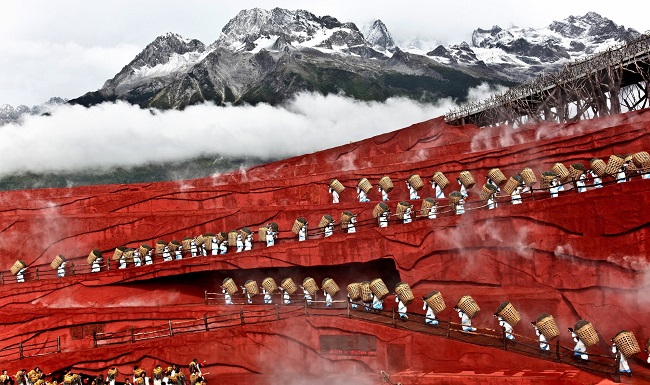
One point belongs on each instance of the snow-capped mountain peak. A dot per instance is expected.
(378, 36)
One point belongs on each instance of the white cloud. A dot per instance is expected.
(119, 134)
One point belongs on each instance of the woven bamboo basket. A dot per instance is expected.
(199, 240)
(509, 313)
(346, 216)
(364, 184)
(330, 286)
(512, 184)
(325, 220)
(435, 301)
(187, 243)
(229, 285)
(269, 284)
(404, 293)
(128, 255)
(92, 257)
(440, 179)
(261, 233)
(416, 182)
(466, 179)
(547, 326)
(598, 166)
(379, 288)
(401, 208)
(366, 292)
(58, 260)
(17, 266)
(208, 237)
(222, 236)
(354, 291)
(467, 304)
(627, 343)
(487, 191)
(427, 204)
(529, 176)
(232, 237)
(386, 184)
(310, 285)
(160, 246)
(546, 179)
(336, 186)
(561, 170)
(587, 333)
(575, 170)
(297, 225)
(379, 209)
(288, 285)
(246, 232)
(117, 254)
(144, 249)
(614, 164)
(497, 176)
(454, 198)
(640, 159)
(251, 288)
(631, 170)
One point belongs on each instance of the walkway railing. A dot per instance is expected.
(23, 350)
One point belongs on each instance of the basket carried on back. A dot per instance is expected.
(222, 236)
(514, 182)
(187, 243)
(229, 285)
(366, 292)
(160, 246)
(364, 184)
(627, 343)
(92, 257)
(261, 233)
(354, 291)
(404, 293)
(346, 216)
(310, 285)
(58, 261)
(576, 170)
(174, 245)
(529, 176)
(330, 286)
(497, 176)
(435, 301)
(416, 182)
(586, 332)
(454, 198)
(232, 237)
(17, 266)
(487, 191)
(380, 209)
(641, 159)
(144, 249)
(298, 224)
(466, 179)
(467, 304)
(547, 177)
(288, 285)
(379, 288)
(325, 220)
(251, 288)
(207, 240)
(269, 285)
(386, 184)
(547, 326)
(245, 231)
(117, 254)
(509, 313)
(614, 164)
(401, 208)
(598, 166)
(561, 170)
(128, 255)
(426, 206)
(199, 240)
(336, 186)
(440, 179)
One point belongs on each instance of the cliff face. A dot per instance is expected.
(578, 256)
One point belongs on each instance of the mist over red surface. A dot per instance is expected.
(579, 256)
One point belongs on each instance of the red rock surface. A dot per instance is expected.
(579, 256)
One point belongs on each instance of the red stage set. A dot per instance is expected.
(577, 256)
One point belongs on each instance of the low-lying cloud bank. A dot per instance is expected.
(121, 135)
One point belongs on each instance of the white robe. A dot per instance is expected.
(439, 193)
(407, 215)
(96, 266)
(240, 244)
(543, 344)
(223, 247)
(248, 242)
(555, 188)
(460, 207)
(383, 219)
(328, 299)
(507, 327)
(580, 349)
(580, 183)
(179, 252)
(620, 175)
(122, 261)
(623, 366)
(302, 233)
(413, 194)
(515, 197)
(401, 308)
(335, 195)
(215, 246)
(194, 250)
(351, 228)
(329, 230)
(430, 317)
(136, 259)
(167, 256)
(384, 194)
(463, 190)
(267, 296)
(285, 296)
(433, 212)
(377, 304)
(306, 295)
(61, 270)
(363, 197)
(20, 276)
(226, 296)
(270, 237)
(148, 259)
(465, 321)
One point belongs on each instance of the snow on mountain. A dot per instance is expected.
(378, 36)
(9, 114)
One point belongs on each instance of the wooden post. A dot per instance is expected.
(557, 349)
(20, 350)
(171, 329)
(94, 338)
(37, 273)
(58, 344)
(205, 321)
(277, 311)
(449, 327)
(617, 373)
(394, 317)
(306, 311)
(132, 334)
(348, 307)
(2, 278)
(72, 267)
(206, 297)
(241, 315)
(505, 339)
